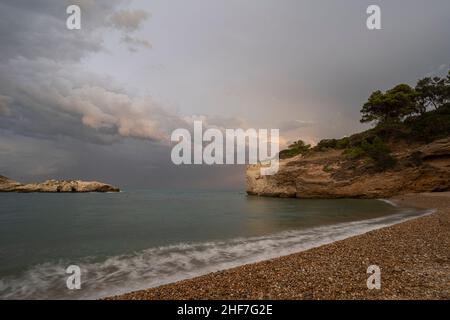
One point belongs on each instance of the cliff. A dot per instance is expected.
(332, 174)
(8, 185)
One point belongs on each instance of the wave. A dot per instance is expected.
(156, 266)
(392, 203)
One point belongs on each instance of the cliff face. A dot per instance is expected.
(330, 174)
(8, 185)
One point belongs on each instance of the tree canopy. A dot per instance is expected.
(402, 101)
(433, 92)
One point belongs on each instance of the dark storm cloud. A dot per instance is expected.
(129, 163)
(35, 29)
(51, 110)
(53, 99)
(58, 120)
(52, 95)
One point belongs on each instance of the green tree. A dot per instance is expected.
(300, 145)
(432, 92)
(393, 105)
(447, 88)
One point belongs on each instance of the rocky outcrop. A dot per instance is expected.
(331, 174)
(8, 185)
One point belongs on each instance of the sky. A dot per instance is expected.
(100, 103)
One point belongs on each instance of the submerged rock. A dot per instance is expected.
(8, 185)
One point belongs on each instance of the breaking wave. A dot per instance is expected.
(161, 265)
(392, 203)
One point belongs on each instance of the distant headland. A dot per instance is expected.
(8, 185)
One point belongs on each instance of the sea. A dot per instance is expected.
(138, 239)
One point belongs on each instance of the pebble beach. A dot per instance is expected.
(414, 258)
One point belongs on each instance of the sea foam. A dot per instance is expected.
(161, 265)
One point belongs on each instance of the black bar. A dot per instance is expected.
(229, 309)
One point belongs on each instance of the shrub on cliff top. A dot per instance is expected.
(431, 125)
(296, 148)
(327, 144)
(376, 150)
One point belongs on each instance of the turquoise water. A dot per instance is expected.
(137, 239)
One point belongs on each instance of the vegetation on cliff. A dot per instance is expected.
(401, 114)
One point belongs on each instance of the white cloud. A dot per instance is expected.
(62, 91)
(131, 117)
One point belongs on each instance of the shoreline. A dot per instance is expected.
(413, 255)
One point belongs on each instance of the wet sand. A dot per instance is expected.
(414, 257)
